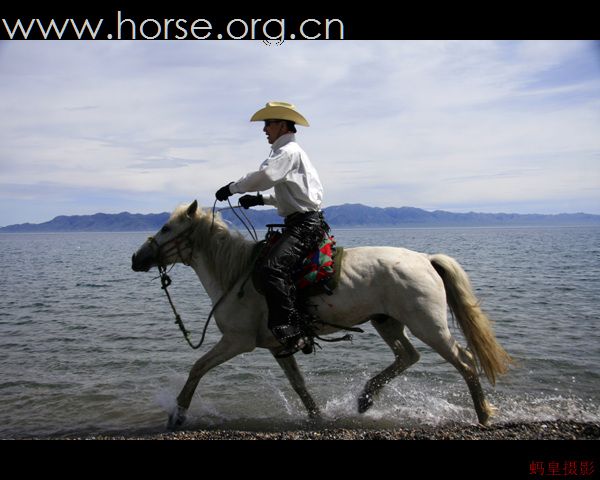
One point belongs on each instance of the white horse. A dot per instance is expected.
(393, 288)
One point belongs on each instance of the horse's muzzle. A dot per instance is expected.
(138, 264)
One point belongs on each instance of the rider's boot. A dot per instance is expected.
(292, 337)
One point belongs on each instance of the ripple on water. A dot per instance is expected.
(87, 344)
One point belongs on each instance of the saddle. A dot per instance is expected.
(317, 273)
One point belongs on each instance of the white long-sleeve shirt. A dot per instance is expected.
(289, 170)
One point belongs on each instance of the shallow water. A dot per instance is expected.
(87, 345)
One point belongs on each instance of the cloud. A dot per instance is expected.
(162, 163)
(463, 125)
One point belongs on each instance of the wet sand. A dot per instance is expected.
(550, 430)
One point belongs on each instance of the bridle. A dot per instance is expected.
(175, 244)
(163, 251)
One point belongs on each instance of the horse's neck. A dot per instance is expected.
(220, 262)
(208, 280)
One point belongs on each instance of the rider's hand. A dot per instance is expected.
(223, 193)
(248, 201)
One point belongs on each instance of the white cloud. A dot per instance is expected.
(456, 125)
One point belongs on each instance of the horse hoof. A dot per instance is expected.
(314, 414)
(365, 401)
(484, 420)
(486, 414)
(176, 418)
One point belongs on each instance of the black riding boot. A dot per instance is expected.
(293, 339)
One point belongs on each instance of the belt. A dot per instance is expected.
(300, 216)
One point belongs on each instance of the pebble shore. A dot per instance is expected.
(550, 430)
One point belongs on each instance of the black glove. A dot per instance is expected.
(223, 193)
(248, 201)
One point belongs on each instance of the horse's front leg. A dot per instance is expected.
(294, 375)
(224, 350)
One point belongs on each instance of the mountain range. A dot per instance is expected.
(340, 216)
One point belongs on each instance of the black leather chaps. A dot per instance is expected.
(303, 232)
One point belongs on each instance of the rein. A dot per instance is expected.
(244, 221)
(166, 281)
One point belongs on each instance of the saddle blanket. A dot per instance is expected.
(319, 271)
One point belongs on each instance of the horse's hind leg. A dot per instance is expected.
(392, 331)
(294, 375)
(464, 362)
(482, 407)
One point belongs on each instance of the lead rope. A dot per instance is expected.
(165, 281)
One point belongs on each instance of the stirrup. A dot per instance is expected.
(285, 333)
(302, 343)
(309, 345)
(294, 335)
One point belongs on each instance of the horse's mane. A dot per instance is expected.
(227, 253)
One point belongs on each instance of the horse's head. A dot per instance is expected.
(171, 244)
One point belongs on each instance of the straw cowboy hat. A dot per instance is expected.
(279, 111)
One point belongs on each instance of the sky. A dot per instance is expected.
(143, 126)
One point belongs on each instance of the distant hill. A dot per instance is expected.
(347, 215)
(100, 222)
(357, 215)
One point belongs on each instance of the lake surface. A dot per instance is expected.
(89, 346)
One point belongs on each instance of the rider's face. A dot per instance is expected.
(274, 129)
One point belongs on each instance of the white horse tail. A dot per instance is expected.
(475, 324)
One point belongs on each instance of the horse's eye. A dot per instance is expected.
(165, 229)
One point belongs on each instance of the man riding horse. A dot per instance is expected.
(298, 194)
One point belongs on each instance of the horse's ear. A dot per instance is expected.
(192, 209)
